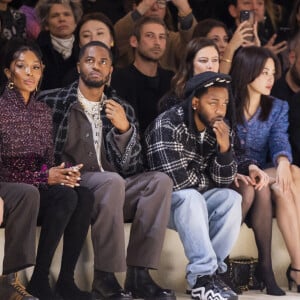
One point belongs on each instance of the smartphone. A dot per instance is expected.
(248, 15)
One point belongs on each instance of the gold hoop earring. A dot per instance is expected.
(11, 85)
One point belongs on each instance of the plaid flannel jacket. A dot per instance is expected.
(61, 100)
(177, 150)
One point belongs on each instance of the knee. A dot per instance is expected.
(162, 181)
(67, 199)
(85, 195)
(233, 203)
(247, 193)
(232, 200)
(110, 194)
(32, 194)
(191, 199)
(114, 181)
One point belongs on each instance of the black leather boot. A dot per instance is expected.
(139, 282)
(106, 286)
(12, 289)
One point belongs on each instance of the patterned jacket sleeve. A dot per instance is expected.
(165, 153)
(223, 167)
(129, 161)
(279, 141)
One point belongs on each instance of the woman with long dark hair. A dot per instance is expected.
(201, 55)
(27, 156)
(262, 123)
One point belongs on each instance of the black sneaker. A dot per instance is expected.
(210, 287)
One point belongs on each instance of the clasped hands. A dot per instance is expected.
(257, 178)
(65, 176)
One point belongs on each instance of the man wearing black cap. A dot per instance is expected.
(192, 144)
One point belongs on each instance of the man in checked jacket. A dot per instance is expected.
(192, 143)
(100, 131)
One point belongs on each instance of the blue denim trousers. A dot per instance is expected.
(208, 225)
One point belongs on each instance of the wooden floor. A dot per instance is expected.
(255, 295)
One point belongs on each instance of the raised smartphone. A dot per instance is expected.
(248, 15)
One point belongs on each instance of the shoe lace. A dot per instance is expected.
(17, 285)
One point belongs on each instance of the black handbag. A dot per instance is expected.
(241, 273)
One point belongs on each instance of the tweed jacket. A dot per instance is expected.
(175, 147)
(263, 139)
(26, 144)
(125, 163)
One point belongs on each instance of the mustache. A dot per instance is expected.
(156, 48)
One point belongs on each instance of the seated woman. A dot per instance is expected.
(92, 27)
(201, 55)
(262, 128)
(27, 156)
(219, 33)
(56, 40)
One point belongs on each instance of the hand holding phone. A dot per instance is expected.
(249, 16)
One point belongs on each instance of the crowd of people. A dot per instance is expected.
(150, 112)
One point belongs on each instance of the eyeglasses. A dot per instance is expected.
(161, 3)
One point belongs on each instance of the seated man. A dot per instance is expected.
(19, 206)
(102, 133)
(191, 143)
(176, 41)
(144, 82)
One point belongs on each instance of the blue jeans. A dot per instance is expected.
(208, 225)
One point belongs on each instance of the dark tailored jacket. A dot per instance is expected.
(127, 162)
(55, 66)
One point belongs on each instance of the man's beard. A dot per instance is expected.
(204, 120)
(92, 83)
(148, 58)
(295, 75)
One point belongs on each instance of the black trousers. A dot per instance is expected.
(21, 206)
(63, 212)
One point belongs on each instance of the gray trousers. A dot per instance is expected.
(144, 200)
(21, 206)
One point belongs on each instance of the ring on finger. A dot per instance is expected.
(62, 183)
